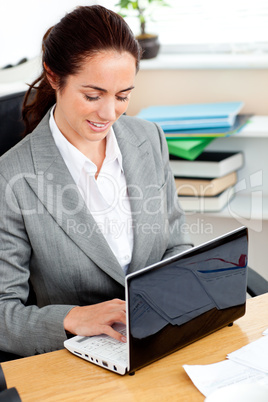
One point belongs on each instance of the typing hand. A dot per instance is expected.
(97, 319)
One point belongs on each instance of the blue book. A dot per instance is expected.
(193, 116)
(240, 121)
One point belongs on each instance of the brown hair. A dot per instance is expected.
(80, 34)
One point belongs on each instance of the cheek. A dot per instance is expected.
(83, 107)
(122, 107)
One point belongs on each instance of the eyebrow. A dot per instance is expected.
(105, 90)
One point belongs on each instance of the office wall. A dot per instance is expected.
(189, 86)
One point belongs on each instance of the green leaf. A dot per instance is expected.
(134, 4)
(123, 3)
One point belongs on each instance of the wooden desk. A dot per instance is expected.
(61, 376)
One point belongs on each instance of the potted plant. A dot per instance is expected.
(144, 9)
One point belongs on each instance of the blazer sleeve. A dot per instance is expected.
(179, 238)
(24, 330)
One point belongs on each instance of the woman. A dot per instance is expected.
(87, 196)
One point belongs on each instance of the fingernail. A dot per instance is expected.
(123, 339)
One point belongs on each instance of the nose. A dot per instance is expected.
(107, 109)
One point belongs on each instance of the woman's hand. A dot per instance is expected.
(96, 319)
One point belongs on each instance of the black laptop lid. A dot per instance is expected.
(182, 299)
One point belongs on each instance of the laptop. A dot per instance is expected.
(173, 303)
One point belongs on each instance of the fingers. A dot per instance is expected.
(117, 312)
(114, 316)
(114, 334)
(97, 319)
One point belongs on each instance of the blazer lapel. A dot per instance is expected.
(55, 188)
(142, 188)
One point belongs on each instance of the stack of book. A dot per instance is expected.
(206, 184)
(205, 180)
(190, 128)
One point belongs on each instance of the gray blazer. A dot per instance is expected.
(49, 238)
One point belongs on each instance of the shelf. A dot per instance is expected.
(244, 207)
(256, 128)
(173, 61)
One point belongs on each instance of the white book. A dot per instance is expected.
(209, 164)
(207, 204)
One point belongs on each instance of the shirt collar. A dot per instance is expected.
(76, 160)
(112, 149)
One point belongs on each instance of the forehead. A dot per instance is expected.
(107, 66)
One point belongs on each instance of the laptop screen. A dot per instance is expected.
(186, 297)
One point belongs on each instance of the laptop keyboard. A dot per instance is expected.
(108, 347)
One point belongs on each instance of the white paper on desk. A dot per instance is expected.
(254, 355)
(207, 378)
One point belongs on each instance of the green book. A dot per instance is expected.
(188, 148)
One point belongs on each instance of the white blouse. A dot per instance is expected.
(106, 197)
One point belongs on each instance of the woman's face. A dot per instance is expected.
(94, 98)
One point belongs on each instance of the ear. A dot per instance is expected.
(51, 76)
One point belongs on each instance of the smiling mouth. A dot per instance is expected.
(99, 125)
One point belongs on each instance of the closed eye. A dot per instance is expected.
(122, 98)
(92, 98)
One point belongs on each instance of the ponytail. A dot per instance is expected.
(39, 98)
(37, 101)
